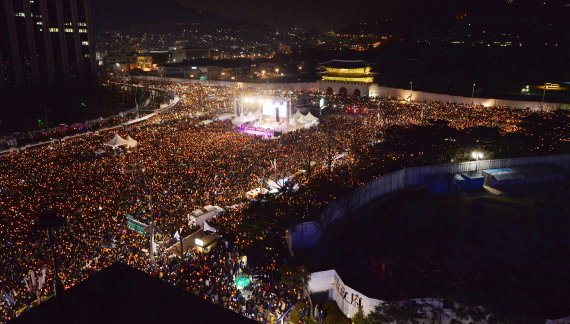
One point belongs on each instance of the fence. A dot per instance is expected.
(308, 234)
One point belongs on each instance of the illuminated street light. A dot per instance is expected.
(473, 94)
(477, 155)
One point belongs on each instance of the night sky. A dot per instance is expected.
(316, 14)
(321, 14)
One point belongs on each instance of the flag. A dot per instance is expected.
(8, 298)
(42, 279)
(26, 282)
(208, 228)
(177, 236)
(33, 276)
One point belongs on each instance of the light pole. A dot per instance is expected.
(476, 155)
(411, 91)
(473, 94)
(45, 115)
(543, 95)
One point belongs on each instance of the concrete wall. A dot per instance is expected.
(396, 181)
(350, 87)
(378, 91)
(347, 299)
(373, 90)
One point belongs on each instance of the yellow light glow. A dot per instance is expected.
(347, 79)
(365, 70)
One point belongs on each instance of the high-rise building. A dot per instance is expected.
(44, 42)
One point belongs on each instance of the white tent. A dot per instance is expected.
(117, 141)
(247, 117)
(281, 127)
(131, 142)
(311, 117)
(297, 115)
(238, 120)
(292, 123)
(223, 117)
(300, 124)
(258, 114)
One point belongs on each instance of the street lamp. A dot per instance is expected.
(411, 91)
(473, 94)
(543, 95)
(477, 155)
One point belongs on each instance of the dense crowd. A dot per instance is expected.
(186, 166)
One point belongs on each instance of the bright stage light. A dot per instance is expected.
(199, 242)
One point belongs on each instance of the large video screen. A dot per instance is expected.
(272, 108)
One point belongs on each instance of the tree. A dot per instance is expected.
(297, 278)
(395, 312)
(359, 317)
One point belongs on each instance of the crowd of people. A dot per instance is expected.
(185, 165)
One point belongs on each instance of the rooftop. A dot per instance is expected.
(346, 64)
(122, 294)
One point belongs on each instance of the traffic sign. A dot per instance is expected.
(136, 226)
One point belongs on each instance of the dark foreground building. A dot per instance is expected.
(44, 42)
(121, 294)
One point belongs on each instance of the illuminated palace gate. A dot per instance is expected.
(347, 78)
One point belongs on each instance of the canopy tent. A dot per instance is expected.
(282, 126)
(258, 114)
(248, 117)
(206, 122)
(297, 115)
(131, 142)
(117, 141)
(223, 117)
(238, 120)
(302, 120)
(311, 117)
(299, 124)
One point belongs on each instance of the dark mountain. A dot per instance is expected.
(537, 20)
(140, 14)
